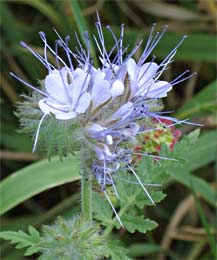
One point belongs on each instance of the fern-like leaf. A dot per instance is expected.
(23, 240)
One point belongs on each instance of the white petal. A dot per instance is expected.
(55, 87)
(117, 88)
(100, 92)
(48, 105)
(83, 103)
(78, 72)
(131, 68)
(66, 116)
(79, 85)
(65, 73)
(147, 72)
(61, 112)
(99, 75)
(159, 89)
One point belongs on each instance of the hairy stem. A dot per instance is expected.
(86, 196)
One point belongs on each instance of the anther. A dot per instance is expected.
(23, 44)
(67, 38)
(59, 43)
(42, 35)
(86, 35)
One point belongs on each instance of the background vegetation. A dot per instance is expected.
(38, 193)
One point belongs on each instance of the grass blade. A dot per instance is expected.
(36, 178)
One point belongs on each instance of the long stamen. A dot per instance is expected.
(86, 37)
(177, 122)
(28, 85)
(82, 52)
(121, 43)
(104, 177)
(186, 71)
(136, 183)
(38, 56)
(105, 55)
(156, 39)
(181, 80)
(34, 88)
(37, 132)
(113, 186)
(97, 44)
(100, 34)
(51, 50)
(116, 214)
(156, 157)
(143, 187)
(65, 46)
(149, 40)
(45, 51)
(133, 51)
(165, 66)
(116, 42)
(174, 49)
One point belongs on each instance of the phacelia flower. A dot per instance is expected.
(67, 93)
(112, 104)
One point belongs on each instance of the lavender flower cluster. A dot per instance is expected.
(111, 103)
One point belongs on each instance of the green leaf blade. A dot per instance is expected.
(37, 178)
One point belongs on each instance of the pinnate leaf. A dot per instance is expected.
(23, 239)
(133, 223)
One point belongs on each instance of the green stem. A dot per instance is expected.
(86, 197)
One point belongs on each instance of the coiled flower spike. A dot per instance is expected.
(111, 104)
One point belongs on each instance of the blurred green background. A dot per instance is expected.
(187, 228)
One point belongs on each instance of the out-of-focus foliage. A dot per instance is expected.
(186, 221)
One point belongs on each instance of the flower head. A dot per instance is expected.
(112, 104)
(67, 93)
